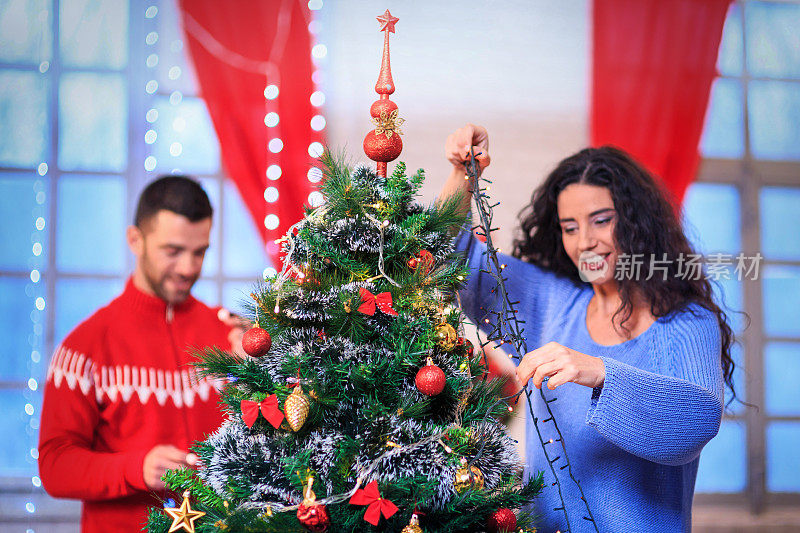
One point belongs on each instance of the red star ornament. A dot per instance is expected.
(387, 21)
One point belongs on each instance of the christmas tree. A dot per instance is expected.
(360, 407)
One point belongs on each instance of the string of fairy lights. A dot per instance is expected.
(151, 90)
(504, 326)
(319, 52)
(272, 101)
(35, 290)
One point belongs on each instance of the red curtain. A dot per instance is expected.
(654, 61)
(238, 49)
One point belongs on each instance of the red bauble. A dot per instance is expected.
(382, 106)
(423, 259)
(314, 517)
(430, 379)
(382, 148)
(502, 520)
(256, 342)
(468, 346)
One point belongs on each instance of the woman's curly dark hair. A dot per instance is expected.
(646, 224)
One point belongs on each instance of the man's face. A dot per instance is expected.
(169, 253)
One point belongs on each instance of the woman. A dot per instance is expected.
(637, 364)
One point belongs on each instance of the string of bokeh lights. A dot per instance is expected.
(272, 94)
(34, 290)
(151, 89)
(319, 52)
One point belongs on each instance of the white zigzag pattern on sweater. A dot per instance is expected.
(111, 382)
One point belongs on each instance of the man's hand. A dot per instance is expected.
(161, 458)
(238, 326)
(456, 148)
(561, 365)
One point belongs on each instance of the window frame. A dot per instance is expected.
(749, 175)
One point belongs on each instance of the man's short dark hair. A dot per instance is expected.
(179, 194)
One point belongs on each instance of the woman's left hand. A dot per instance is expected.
(561, 365)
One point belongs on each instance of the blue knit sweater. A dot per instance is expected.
(634, 444)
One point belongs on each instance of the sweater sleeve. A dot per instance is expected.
(537, 290)
(665, 418)
(68, 466)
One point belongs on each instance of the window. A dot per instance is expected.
(97, 98)
(747, 200)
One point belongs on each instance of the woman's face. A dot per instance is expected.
(587, 217)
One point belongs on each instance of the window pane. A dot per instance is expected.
(245, 254)
(780, 218)
(24, 118)
(25, 34)
(23, 211)
(77, 299)
(92, 127)
(236, 293)
(712, 218)
(782, 373)
(211, 260)
(781, 294)
(172, 52)
(94, 33)
(739, 382)
(185, 137)
(728, 293)
(723, 134)
(773, 39)
(205, 290)
(774, 111)
(15, 453)
(783, 457)
(729, 61)
(17, 307)
(722, 462)
(90, 234)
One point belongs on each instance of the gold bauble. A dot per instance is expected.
(467, 477)
(296, 408)
(446, 336)
(413, 525)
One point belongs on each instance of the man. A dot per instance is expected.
(122, 403)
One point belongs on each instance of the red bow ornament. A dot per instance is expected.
(371, 497)
(369, 301)
(268, 407)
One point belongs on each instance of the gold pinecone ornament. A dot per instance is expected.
(296, 408)
(467, 477)
(413, 525)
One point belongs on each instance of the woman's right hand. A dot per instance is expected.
(458, 143)
(456, 149)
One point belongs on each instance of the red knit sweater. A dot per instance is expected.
(118, 385)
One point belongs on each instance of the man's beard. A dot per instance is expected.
(159, 285)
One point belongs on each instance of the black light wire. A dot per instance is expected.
(508, 326)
